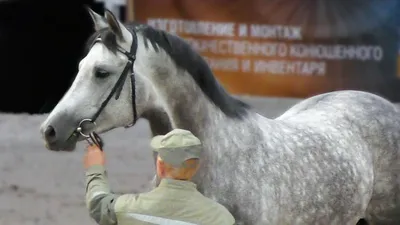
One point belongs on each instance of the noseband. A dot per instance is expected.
(92, 137)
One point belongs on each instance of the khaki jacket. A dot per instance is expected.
(173, 202)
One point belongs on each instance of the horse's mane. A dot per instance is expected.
(184, 57)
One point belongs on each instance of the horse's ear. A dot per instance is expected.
(114, 24)
(98, 21)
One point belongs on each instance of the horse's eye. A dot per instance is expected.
(101, 74)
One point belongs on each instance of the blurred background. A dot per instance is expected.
(270, 53)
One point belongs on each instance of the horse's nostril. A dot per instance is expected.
(50, 134)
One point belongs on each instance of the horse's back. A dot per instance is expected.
(350, 102)
(371, 119)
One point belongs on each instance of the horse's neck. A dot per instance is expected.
(188, 107)
(159, 122)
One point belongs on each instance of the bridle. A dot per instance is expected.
(92, 137)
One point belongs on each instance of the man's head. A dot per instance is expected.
(178, 154)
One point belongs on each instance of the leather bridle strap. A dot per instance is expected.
(116, 90)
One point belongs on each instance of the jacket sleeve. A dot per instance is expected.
(99, 200)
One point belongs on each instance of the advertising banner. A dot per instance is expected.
(287, 48)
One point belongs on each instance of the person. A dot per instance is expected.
(175, 200)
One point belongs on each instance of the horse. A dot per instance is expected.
(330, 159)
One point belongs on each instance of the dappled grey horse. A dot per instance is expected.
(330, 159)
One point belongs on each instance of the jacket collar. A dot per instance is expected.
(181, 184)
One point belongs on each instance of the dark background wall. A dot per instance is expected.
(40, 47)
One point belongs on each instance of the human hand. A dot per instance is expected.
(93, 156)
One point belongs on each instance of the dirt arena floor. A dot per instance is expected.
(41, 187)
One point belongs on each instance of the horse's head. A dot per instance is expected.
(99, 73)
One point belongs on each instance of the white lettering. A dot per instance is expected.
(290, 67)
(242, 30)
(276, 32)
(233, 47)
(246, 66)
(229, 52)
(223, 64)
(187, 27)
(336, 52)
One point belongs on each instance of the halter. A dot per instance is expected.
(92, 137)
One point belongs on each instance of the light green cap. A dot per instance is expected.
(177, 146)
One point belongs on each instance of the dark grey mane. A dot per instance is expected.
(184, 57)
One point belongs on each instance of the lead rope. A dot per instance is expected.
(95, 139)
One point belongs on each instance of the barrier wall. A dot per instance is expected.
(291, 48)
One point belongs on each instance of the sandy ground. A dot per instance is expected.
(38, 186)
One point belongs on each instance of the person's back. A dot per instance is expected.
(169, 203)
(175, 201)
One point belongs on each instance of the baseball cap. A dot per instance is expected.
(177, 146)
